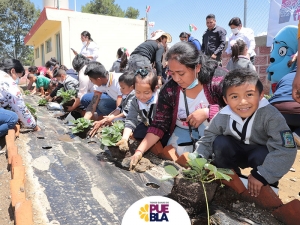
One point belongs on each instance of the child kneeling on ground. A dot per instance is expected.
(142, 107)
(126, 82)
(249, 132)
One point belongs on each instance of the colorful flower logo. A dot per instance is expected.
(144, 212)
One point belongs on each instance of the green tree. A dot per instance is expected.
(109, 8)
(132, 13)
(16, 20)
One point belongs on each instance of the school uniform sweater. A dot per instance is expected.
(266, 127)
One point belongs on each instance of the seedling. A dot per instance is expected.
(81, 125)
(112, 134)
(42, 102)
(268, 96)
(66, 95)
(27, 92)
(201, 171)
(31, 110)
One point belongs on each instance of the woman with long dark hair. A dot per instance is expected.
(89, 48)
(187, 101)
(120, 64)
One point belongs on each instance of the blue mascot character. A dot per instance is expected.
(284, 47)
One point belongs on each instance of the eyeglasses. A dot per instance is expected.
(142, 72)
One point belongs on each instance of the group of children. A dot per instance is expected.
(248, 132)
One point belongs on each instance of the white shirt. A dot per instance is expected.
(247, 35)
(240, 122)
(85, 84)
(90, 49)
(200, 102)
(112, 88)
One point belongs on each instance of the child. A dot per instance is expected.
(42, 83)
(126, 81)
(142, 107)
(107, 94)
(249, 132)
(68, 83)
(32, 70)
(121, 63)
(239, 57)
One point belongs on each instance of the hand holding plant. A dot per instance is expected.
(135, 159)
(96, 126)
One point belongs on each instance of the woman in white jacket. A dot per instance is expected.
(89, 48)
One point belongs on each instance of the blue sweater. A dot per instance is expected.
(283, 91)
(195, 42)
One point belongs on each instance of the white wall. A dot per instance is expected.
(110, 33)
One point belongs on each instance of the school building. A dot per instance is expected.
(57, 30)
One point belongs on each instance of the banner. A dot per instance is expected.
(151, 24)
(281, 14)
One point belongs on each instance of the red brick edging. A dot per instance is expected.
(22, 208)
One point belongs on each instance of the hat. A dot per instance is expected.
(157, 34)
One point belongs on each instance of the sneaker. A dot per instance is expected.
(297, 139)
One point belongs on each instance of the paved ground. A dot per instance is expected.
(73, 182)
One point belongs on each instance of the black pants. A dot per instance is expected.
(231, 153)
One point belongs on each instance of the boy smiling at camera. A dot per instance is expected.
(249, 132)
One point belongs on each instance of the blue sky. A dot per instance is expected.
(174, 16)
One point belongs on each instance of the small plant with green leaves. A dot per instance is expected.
(81, 125)
(201, 171)
(112, 134)
(268, 96)
(42, 102)
(66, 95)
(27, 92)
(31, 110)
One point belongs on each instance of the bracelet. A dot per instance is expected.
(139, 151)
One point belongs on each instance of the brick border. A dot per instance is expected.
(22, 208)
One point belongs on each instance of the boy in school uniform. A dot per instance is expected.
(249, 132)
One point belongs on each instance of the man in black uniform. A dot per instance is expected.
(213, 39)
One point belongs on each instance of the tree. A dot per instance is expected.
(109, 8)
(132, 13)
(16, 20)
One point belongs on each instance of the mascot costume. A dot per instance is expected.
(284, 47)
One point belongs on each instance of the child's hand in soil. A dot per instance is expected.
(123, 145)
(96, 126)
(254, 186)
(135, 159)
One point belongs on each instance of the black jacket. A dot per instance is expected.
(213, 42)
(153, 51)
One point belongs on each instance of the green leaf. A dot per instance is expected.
(220, 175)
(27, 92)
(166, 177)
(42, 102)
(225, 171)
(200, 162)
(210, 167)
(192, 156)
(171, 170)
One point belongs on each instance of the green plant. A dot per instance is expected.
(81, 124)
(66, 95)
(31, 110)
(200, 171)
(112, 134)
(42, 102)
(27, 92)
(268, 96)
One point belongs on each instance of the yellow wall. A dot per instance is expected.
(48, 30)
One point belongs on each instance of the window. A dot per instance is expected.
(37, 53)
(48, 46)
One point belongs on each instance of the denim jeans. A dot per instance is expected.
(105, 106)
(8, 120)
